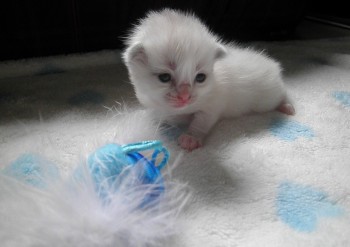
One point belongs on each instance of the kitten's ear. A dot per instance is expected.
(220, 52)
(136, 53)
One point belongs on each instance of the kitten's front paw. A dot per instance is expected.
(286, 108)
(189, 142)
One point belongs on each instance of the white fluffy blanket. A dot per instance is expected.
(260, 180)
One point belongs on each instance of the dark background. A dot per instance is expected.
(31, 28)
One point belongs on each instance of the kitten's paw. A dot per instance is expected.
(189, 142)
(286, 108)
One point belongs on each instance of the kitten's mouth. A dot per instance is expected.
(179, 102)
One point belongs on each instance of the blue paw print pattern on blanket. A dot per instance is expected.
(86, 97)
(289, 130)
(48, 69)
(342, 97)
(32, 169)
(302, 207)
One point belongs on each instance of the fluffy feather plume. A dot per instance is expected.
(69, 212)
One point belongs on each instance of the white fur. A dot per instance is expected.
(238, 80)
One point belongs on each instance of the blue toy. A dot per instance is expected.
(110, 166)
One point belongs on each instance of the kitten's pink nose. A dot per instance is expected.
(184, 92)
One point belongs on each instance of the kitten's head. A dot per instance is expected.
(170, 58)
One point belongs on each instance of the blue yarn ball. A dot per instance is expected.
(111, 165)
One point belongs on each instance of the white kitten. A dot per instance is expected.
(179, 68)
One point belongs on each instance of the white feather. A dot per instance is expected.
(69, 213)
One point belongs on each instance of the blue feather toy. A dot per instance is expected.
(109, 167)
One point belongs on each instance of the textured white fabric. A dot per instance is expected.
(260, 180)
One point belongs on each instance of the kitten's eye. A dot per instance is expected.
(164, 77)
(200, 77)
